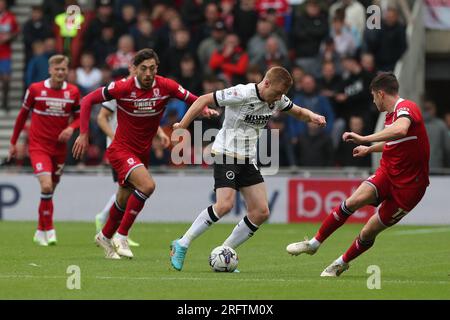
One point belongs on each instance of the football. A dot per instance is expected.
(223, 259)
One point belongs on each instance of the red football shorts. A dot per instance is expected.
(45, 163)
(124, 162)
(395, 202)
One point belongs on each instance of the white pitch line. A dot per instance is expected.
(12, 276)
(421, 231)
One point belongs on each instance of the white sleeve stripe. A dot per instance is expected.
(402, 112)
(187, 95)
(103, 93)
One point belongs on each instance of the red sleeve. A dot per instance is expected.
(94, 97)
(20, 123)
(239, 68)
(75, 124)
(216, 60)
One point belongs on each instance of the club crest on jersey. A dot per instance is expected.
(44, 93)
(133, 94)
(66, 95)
(156, 92)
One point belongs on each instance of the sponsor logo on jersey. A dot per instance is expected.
(257, 119)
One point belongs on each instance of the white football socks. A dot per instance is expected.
(204, 220)
(314, 244)
(241, 233)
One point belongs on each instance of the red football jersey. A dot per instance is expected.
(139, 111)
(406, 160)
(51, 111)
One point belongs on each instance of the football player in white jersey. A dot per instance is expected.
(247, 111)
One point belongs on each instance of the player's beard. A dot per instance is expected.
(146, 83)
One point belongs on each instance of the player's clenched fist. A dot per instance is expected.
(319, 120)
(80, 146)
(353, 137)
(361, 151)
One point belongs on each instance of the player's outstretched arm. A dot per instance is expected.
(18, 127)
(397, 130)
(81, 144)
(362, 151)
(194, 111)
(306, 115)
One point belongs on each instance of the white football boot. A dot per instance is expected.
(40, 238)
(51, 237)
(122, 247)
(335, 269)
(107, 245)
(297, 248)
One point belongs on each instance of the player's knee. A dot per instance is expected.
(223, 207)
(263, 213)
(47, 187)
(147, 188)
(367, 234)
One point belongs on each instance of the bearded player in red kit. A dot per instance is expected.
(141, 101)
(52, 103)
(399, 183)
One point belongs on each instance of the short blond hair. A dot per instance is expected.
(57, 59)
(281, 76)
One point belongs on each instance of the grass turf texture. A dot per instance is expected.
(414, 264)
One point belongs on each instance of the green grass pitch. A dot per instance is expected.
(414, 264)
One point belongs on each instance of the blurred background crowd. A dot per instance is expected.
(207, 45)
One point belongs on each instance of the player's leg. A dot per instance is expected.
(45, 209)
(365, 194)
(102, 216)
(255, 197)
(225, 198)
(362, 243)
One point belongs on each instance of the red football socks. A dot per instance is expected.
(335, 219)
(134, 206)
(113, 222)
(357, 248)
(45, 222)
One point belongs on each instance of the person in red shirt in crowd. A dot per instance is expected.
(53, 103)
(232, 61)
(141, 101)
(122, 58)
(8, 30)
(399, 183)
(280, 7)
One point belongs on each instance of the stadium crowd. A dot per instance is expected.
(207, 45)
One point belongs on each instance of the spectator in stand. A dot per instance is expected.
(105, 45)
(36, 28)
(128, 19)
(344, 154)
(280, 7)
(355, 14)
(314, 148)
(257, 44)
(307, 33)
(286, 148)
(143, 35)
(387, 44)
(159, 155)
(89, 77)
(226, 10)
(69, 36)
(212, 15)
(368, 63)
(437, 135)
(297, 75)
(356, 98)
(328, 53)
(37, 69)
(343, 40)
(192, 12)
(208, 45)
(170, 60)
(51, 8)
(165, 34)
(254, 74)
(188, 76)
(9, 29)
(245, 18)
(104, 19)
(310, 98)
(274, 55)
(231, 61)
(122, 58)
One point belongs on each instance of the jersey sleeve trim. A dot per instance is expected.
(257, 93)
(289, 107)
(215, 99)
(106, 94)
(405, 116)
(107, 108)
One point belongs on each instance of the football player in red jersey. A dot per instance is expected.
(399, 183)
(53, 103)
(141, 101)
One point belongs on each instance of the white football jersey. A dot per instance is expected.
(111, 105)
(245, 115)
